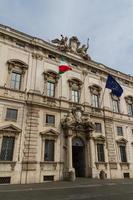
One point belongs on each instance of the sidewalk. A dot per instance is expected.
(79, 182)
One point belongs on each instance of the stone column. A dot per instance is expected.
(71, 171)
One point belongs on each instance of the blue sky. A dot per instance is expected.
(107, 23)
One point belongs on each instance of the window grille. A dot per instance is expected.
(5, 180)
(7, 148)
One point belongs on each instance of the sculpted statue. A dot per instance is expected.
(83, 51)
(68, 120)
(62, 43)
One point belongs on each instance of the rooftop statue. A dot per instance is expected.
(83, 50)
(61, 43)
(74, 46)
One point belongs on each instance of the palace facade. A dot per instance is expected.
(55, 127)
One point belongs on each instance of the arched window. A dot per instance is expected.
(16, 72)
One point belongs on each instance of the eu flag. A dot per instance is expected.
(112, 84)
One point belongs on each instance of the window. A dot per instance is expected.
(15, 81)
(75, 90)
(100, 152)
(130, 109)
(116, 105)
(95, 91)
(75, 95)
(50, 119)
(7, 148)
(11, 114)
(49, 150)
(98, 127)
(95, 100)
(123, 153)
(50, 89)
(119, 131)
(129, 101)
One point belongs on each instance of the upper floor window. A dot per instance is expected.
(11, 114)
(16, 69)
(50, 119)
(95, 100)
(129, 101)
(7, 148)
(51, 80)
(95, 95)
(75, 90)
(115, 104)
(50, 89)
(98, 127)
(75, 95)
(15, 81)
(119, 131)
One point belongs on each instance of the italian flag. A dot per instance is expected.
(64, 67)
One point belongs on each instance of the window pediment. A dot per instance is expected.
(50, 132)
(16, 62)
(99, 138)
(10, 128)
(51, 76)
(95, 89)
(122, 141)
(129, 99)
(75, 82)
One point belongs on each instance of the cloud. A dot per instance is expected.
(107, 23)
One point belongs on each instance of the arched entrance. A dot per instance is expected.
(78, 155)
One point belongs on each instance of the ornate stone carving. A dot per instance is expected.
(77, 121)
(73, 46)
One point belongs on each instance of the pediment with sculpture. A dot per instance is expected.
(72, 45)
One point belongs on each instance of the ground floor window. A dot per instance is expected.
(49, 150)
(7, 148)
(123, 153)
(100, 153)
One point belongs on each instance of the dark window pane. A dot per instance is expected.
(50, 119)
(98, 127)
(119, 131)
(49, 150)
(100, 152)
(15, 81)
(123, 153)
(7, 148)
(11, 114)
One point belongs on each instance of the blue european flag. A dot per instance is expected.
(112, 84)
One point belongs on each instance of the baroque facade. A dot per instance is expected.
(56, 127)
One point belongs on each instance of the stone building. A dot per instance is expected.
(55, 127)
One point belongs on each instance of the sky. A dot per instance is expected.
(107, 23)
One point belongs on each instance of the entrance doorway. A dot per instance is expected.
(78, 154)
